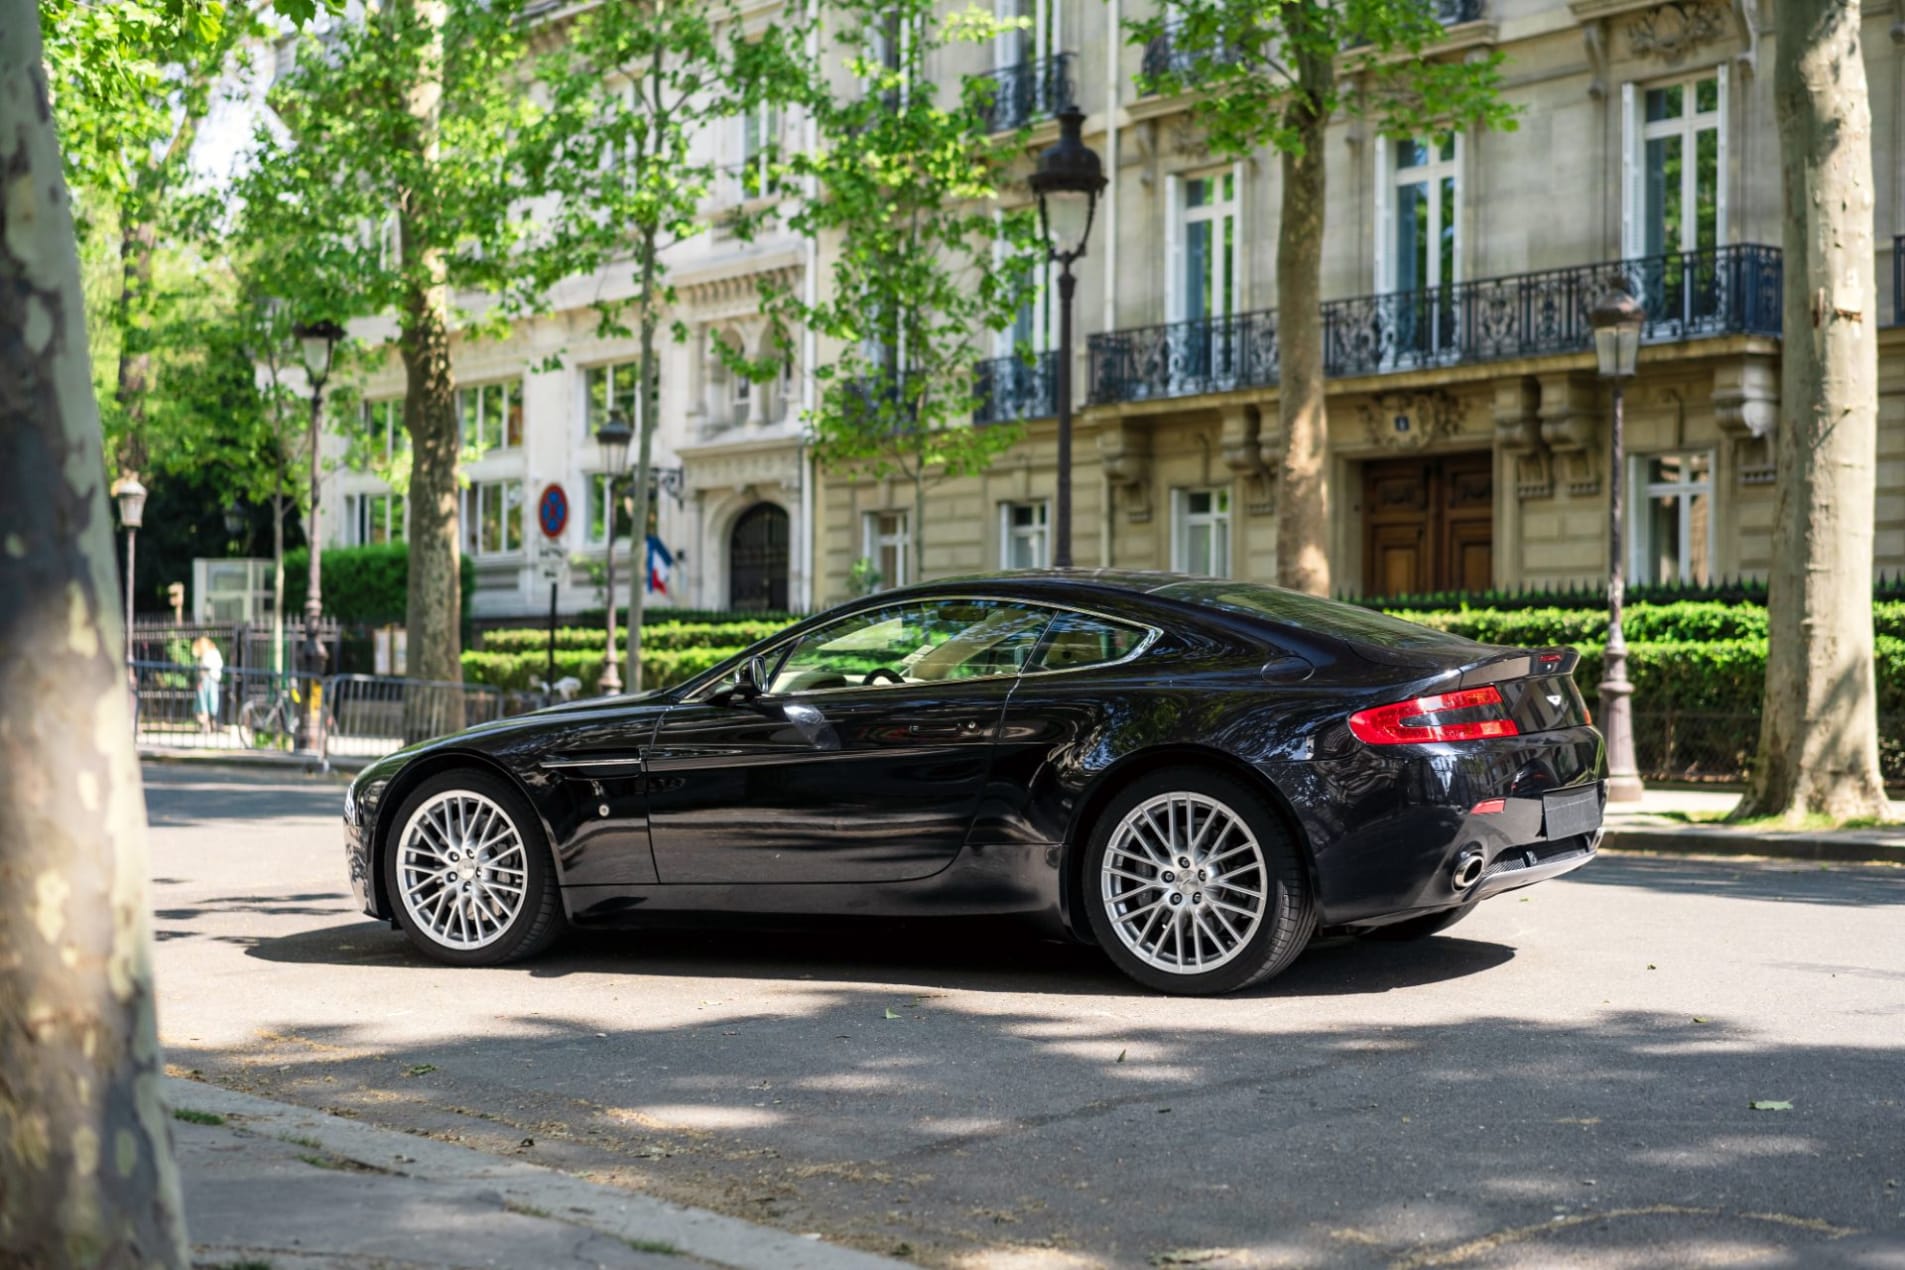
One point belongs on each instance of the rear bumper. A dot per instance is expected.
(1387, 825)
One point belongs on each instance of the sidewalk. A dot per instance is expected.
(272, 1185)
(1658, 823)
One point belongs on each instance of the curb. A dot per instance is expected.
(712, 1237)
(1843, 847)
(259, 759)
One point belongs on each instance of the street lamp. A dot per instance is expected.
(613, 436)
(132, 512)
(318, 343)
(1617, 321)
(1067, 181)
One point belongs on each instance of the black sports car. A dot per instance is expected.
(1196, 774)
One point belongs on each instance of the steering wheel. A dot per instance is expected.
(872, 676)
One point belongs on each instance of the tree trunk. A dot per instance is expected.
(1303, 561)
(434, 599)
(644, 470)
(1818, 749)
(86, 1172)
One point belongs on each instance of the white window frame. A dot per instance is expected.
(470, 507)
(1179, 218)
(358, 510)
(1218, 520)
(632, 367)
(510, 388)
(1636, 133)
(874, 542)
(1038, 533)
(1389, 178)
(1043, 300)
(396, 439)
(596, 489)
(1045, 42)
(1643, 492)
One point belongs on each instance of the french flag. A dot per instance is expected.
(660, 561)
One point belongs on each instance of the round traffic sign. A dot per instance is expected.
(552, 510)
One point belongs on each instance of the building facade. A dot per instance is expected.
(1468, 427)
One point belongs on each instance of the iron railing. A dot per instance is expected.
(1012, 388)
(1687, 295)
(371, 715)
(1166, 55)
(1452, 12)
(1028, 92)
(182, 706)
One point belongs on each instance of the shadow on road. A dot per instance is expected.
(971, 955)
(1793, 882)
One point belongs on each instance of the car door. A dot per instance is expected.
(863, 760)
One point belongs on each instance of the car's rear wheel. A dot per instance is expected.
(1193, 884)
(470, 872)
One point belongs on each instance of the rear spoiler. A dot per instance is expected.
(1520, 663)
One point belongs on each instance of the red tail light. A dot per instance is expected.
(1406, 722)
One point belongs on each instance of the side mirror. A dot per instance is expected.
(750, 682)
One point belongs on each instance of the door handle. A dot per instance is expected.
(944, 730)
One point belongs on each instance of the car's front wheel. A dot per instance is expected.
(470, 872)
(1193, 884)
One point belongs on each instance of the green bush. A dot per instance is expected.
(521, 672)
(1685, 622)
(1722, 676)
(657, 636)
(362, 585)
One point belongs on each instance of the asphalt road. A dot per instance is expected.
(1565, 1079)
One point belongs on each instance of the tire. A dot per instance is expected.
(1229, 940)
(1416, 927)
(449, 813)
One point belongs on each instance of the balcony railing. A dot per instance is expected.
(1687, 295)
(1029, 92)
(1451, 12)
(1010, 388)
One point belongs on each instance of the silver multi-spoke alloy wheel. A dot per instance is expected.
(1184, 883)
(462, 871)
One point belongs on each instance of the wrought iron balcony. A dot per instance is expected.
(1011, 388)
(1028, 92)
(1452, 12)
(1166, 55)
(1687, 295)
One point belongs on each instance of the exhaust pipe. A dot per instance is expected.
(1468, 868)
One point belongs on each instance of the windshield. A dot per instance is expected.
(1312, 613)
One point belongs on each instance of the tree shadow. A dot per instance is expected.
(1794, 882)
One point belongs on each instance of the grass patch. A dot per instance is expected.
(659, 1246)
(525, 1210)
(321, 1162)
(196, 1117)
(1812, 822)
(297, 1141)
(231, 1265)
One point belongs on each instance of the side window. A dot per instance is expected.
(1078, 639)
(925, 642)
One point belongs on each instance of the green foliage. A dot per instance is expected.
(361, 584)
(1683, 622)
(663, 636)
(924, 267)
(523, 672)
(1259, 71)
(1722, 677)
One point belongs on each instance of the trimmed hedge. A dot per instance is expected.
(1687, 622)
(367, 585)
(1733, 591)
(656, 636)
(522, 672)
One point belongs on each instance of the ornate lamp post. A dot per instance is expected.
(132, 511)
(613, 436)
(1068, 181)
(318, 343)
(234, 519)
(1617, 322)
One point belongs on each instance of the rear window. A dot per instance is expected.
(1312, 613)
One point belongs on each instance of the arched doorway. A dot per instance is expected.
(757, 559)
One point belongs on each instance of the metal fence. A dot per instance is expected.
(181, 706)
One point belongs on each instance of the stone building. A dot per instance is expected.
(1468, 434)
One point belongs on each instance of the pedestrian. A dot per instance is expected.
(211, 669)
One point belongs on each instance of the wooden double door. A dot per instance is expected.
(1429, 524)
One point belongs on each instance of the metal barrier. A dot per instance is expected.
(183, 706)
(369, 716)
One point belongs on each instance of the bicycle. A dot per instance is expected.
(271, 720)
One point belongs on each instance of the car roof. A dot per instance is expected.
(1134, 581)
